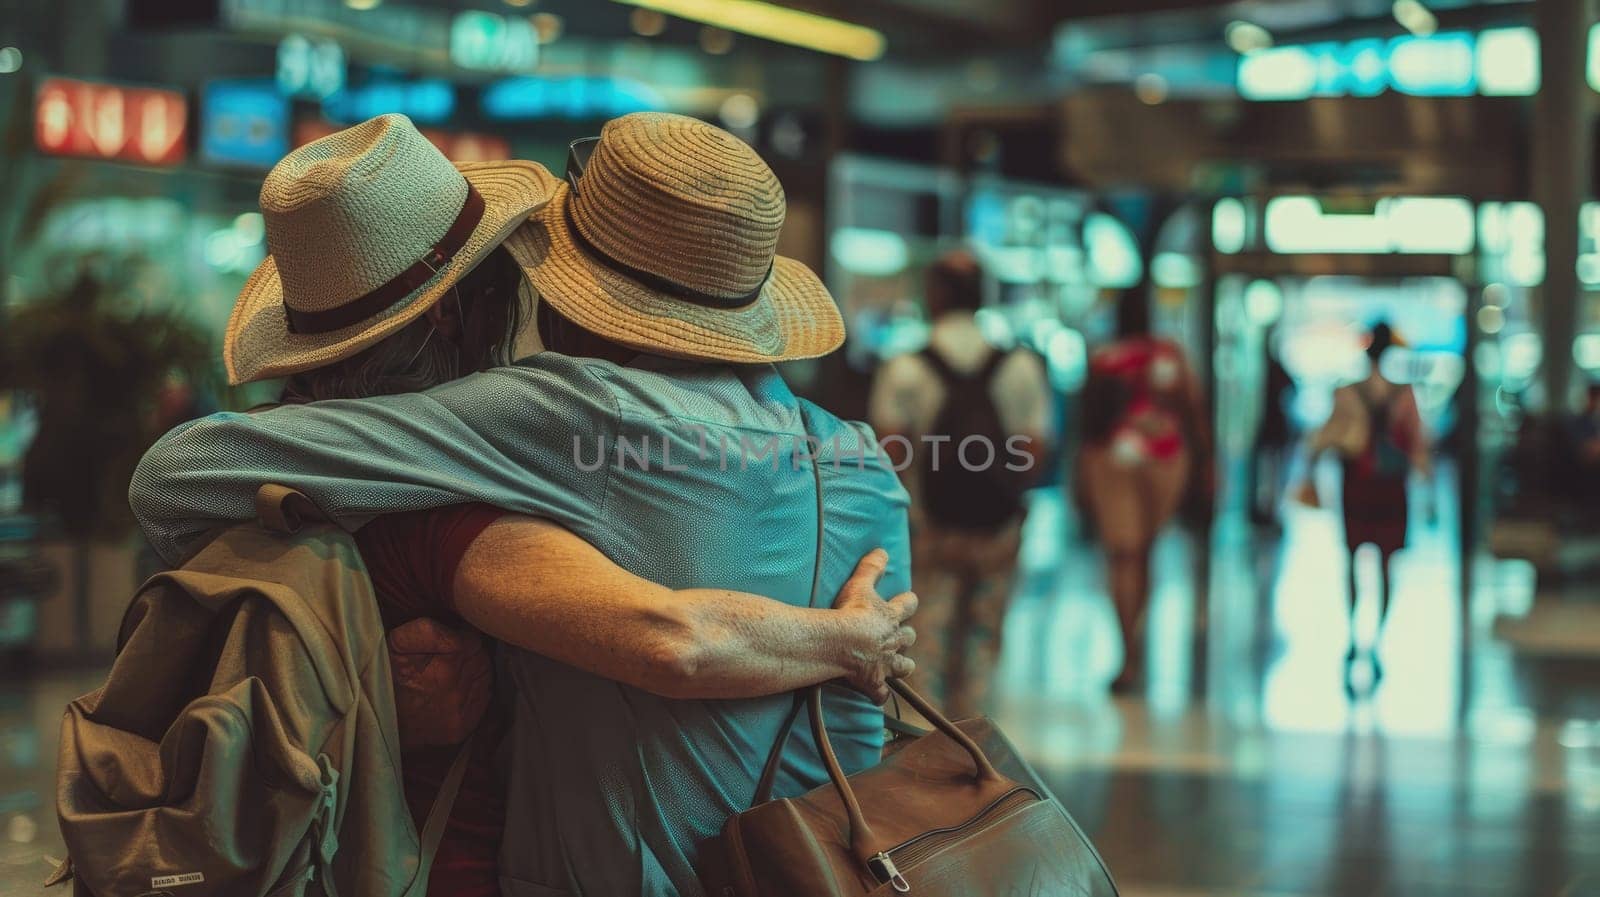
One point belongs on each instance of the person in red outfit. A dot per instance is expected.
(1146, 439)
(1377, 431)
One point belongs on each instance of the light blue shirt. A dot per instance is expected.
(687, 474)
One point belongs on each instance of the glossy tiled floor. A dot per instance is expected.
(1245, 769)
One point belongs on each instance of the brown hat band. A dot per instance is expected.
(657, 282)
(401, 285)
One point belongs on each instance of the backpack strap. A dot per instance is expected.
(941, 368)
(992, 366)
(984, 373)
(769, 771)
(439, 814)
(284, 510)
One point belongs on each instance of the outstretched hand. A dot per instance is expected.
(877, 634)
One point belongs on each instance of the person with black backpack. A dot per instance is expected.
(966, 424)
(1377, 431)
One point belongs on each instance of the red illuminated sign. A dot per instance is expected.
(457, 146)
(105, 121)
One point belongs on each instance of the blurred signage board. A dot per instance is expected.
(1497, 62)
(457, 146)
(576, 96)
(416, 34)
(244, 123)
(142, 125)
(310, 66)
(487, 42)
(393, 23)
(429, 101)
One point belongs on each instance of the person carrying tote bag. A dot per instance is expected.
(936, 817)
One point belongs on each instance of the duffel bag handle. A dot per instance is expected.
(862, 841)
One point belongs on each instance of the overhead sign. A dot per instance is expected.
(244, 123)
(486, 42)
(457, 146)
(1499, 62)
(107, 121)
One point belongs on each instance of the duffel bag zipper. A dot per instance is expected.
(885, 866)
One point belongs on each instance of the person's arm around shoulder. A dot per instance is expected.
(503, 437)
(535, 585)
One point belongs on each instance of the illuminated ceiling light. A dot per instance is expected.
(715, 41)
(1263, 302)
(869, 252)
(1247, 37)
(548, 25)
(520, 4)
(1508, 62)
(1150, 88)
(1492, 320)
(776, 23)
(1282, 73)
(1415, 17)
(647, 22)
(1114, 260)
(1435, 66)
(1594, 57)
(251, 227)
(10, 60)
(739, 111)
(1230, 225)
(363, 4)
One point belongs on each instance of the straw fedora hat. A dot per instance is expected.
(366, 229)
(664, 241)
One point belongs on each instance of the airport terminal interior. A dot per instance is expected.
(1273, 182)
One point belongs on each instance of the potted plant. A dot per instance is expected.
(94, 373)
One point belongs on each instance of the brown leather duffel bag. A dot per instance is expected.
(934, 818)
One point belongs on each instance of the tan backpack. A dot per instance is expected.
(244, 744)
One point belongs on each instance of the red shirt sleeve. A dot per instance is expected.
(412, 558)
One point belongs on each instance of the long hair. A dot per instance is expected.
(560, 333)
(954, 283)
(489, 305)
(1133, 314)
(1379, 339)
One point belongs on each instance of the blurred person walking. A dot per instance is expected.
(1275, 440)
(1146, 449)
(1377, 431)
(967, 501)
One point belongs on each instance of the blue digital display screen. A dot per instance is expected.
(568, 97)
(244, 123)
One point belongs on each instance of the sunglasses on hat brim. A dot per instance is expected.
(578, 153)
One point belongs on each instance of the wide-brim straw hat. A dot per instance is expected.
(366, 229)
(666, 243)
